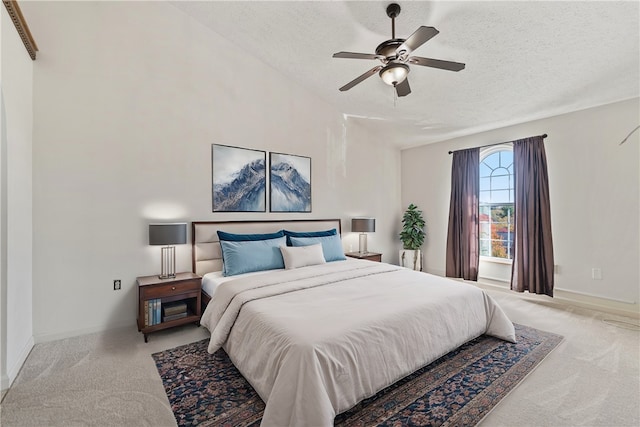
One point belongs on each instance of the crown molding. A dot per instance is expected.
(21, 25)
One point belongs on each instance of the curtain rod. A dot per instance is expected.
(544, 135)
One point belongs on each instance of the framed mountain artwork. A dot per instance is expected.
(290, 178)
(239, 179)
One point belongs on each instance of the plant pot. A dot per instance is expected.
(411, 259)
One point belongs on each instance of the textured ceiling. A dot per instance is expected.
(524, 60)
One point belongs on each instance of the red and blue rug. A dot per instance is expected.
(460, 388)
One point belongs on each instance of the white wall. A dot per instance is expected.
(595, 193)
(16, 339)
(128, 98)
(4, 378)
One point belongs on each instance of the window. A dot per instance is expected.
(496, 202)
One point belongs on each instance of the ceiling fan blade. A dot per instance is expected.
(353, 55)
(403, 88)
(363, 77)
(436, 63)
(417, 39)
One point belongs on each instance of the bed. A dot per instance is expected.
(314, 341)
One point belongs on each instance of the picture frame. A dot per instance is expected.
(238, 179)
(290, 183)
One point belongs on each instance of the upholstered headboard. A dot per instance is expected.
(206, 254)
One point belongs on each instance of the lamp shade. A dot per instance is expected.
(168, 233)
(363, 225)
(394, 73)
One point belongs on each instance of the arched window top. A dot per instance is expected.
(496, 174)
(487, 151)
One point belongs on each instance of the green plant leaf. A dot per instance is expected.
(412, 234)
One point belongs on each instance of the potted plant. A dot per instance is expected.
(412, 236)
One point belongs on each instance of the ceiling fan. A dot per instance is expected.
(394, 55)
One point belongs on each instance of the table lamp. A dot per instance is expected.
(168, 234)
(363, 226)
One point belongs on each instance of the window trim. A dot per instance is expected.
(496, 260)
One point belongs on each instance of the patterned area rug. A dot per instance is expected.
(460, 388)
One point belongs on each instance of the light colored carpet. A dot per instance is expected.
(590, 379)
(110, 379)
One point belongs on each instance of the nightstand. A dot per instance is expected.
(182, 294)
(370, 256)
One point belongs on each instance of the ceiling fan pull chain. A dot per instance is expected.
(395, 97)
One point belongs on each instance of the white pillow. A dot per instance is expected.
(302, 256)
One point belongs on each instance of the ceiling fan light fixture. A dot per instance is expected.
(394, 73)
(394, 54)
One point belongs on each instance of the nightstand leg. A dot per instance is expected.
(146, 338)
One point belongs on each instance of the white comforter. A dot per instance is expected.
(316, 340)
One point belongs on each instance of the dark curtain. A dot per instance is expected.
(463, 251)
(532, 268)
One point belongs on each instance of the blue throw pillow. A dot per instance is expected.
(251, 255)
(331, 246)
(248, 237)
(290, 234)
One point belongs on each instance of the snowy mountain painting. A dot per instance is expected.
(239, 179)
(290, 183)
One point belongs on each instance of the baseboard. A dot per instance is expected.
(13, 371)
(41, 338)
(561, 296)
(567, 297)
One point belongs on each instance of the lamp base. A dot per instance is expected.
(168, 263)
(362, 247)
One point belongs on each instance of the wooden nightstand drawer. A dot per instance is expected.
(170, 289)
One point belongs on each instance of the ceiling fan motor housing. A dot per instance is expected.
(388, 49)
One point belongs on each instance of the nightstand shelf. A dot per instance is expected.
(370, 256)
(184, 287)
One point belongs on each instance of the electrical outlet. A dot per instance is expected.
(117, 284)
(596, 274)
